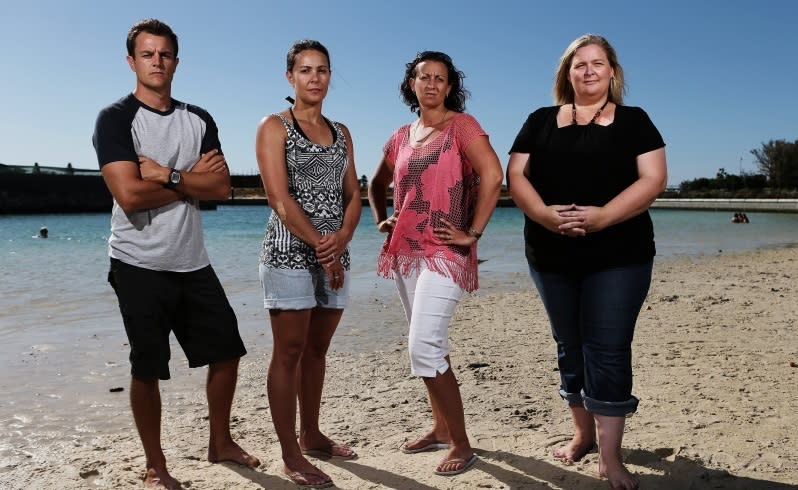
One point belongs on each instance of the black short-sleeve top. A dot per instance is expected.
(587, 165)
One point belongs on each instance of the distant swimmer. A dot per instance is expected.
(43, 232)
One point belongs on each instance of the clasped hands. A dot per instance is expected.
(328, 254)
(152, 171)
(574, 221)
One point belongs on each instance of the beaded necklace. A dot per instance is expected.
(595, 116)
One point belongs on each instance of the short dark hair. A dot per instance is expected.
(455, 101)
(150, 26)
(303, 45)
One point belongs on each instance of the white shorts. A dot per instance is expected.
(300, 289)
(429, 300)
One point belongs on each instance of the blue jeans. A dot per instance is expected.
(593, 317)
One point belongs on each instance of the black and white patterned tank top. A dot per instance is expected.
(315, 181)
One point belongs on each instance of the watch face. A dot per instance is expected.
(174, 177)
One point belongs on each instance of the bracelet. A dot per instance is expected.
(474, 233)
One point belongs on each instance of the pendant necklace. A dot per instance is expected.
(595, 116)
(430, 133)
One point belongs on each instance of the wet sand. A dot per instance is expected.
(712, 358)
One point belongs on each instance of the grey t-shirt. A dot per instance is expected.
(168, 238)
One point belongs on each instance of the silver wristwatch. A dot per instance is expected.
(174, 178)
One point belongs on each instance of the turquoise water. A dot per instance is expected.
(61, 280)
(62, 343)
(54, 290)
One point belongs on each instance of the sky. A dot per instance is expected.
(717, 77)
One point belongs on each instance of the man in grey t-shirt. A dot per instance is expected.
(159, 157)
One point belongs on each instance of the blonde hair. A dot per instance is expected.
(563, 91)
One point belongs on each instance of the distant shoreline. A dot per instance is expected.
(48, 193)
(744, 205)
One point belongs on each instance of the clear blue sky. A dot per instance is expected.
(718, 78)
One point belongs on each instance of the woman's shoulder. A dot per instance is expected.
(545, 111)
(629, 114)
(630, 111)
(275, 122)
(403, 129)
(542, 113)
(464, 119)
(341, 129)
(275, 119)
(337, 125)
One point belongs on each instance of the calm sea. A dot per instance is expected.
(62, 344)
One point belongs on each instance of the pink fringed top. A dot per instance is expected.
(432, 182)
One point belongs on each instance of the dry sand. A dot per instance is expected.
(712, 359)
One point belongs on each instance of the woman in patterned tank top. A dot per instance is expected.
(446, 180)
(307, 167)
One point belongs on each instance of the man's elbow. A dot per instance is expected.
(220, 188)
(128, 201)
(220, 192)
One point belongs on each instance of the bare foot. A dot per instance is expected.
(232, 452)
(574, 450)
(618, 476)
(160, 479)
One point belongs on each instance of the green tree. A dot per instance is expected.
(778, 161)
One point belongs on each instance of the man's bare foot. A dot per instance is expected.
(574, 450)
(618, 476)
(160, 479)
(232, 452)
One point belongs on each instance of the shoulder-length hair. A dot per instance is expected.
(455, 101)
(563, 91)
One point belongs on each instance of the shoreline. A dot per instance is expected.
(85, 192)
(712, 354)
(776, 205)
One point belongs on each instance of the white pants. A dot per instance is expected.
(429, 300)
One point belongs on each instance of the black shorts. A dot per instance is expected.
(193, 305)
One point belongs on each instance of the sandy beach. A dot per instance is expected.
(714, 357)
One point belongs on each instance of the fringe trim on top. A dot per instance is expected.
(388, 264)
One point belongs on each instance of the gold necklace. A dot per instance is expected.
(430, 133)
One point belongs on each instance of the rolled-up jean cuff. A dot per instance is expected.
(572, 398)
(611, 409)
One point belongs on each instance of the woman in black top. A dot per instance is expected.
(585, 172)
